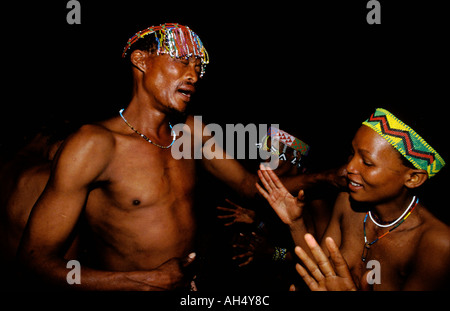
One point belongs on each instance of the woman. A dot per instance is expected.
(380, 220)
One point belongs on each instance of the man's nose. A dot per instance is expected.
(192, 74)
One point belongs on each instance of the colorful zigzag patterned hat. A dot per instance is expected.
(404, 139)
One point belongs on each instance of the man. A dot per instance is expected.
(119, 177)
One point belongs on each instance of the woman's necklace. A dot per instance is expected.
(402, 218)
(145, 137)
(394, 222)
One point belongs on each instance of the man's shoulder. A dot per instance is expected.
(93, 136)
(95, 131)
(90, 146)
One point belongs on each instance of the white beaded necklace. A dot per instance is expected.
(396, 221)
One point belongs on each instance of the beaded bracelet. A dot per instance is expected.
(279, 254)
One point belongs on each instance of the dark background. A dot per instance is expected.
(316, 68)
(315, 64)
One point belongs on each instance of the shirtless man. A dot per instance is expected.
(379, 218)
(120, 177)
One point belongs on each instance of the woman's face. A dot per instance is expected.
(375, 170)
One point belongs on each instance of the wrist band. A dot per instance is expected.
(261, 225)
(279, 254)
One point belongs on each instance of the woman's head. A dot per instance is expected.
(388, 158)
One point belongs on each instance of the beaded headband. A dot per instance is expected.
(289, 141)
(404, 139)
(176, 40)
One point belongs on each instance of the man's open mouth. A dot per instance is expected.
(187, 93)
(186, 90)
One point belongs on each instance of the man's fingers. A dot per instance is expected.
(249, 260)
(232, 203)
(226, 216)
(226, 209)
(301, 195)
(247, 254)
(188, 259)
(320, 257)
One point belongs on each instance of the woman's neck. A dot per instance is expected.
(391, 210)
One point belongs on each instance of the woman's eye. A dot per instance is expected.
(367, 163)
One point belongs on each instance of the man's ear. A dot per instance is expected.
(138, 59)
(416, 178)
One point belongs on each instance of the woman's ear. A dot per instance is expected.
(138, 59)
(416, 178)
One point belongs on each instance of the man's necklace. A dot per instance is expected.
(145, 137)
(402, 218)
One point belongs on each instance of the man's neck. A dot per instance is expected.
(148, 120)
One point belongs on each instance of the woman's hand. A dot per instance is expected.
(323, 275)
(287, 207)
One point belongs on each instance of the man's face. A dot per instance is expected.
(171, 81)
(375, 170)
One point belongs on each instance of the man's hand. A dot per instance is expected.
(321, 274)
(237, 214)
(287, 207)
(172, 274)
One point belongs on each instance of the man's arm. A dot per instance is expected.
(229, 170)
(82, 160)
(335, 177)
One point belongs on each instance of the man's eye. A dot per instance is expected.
(184, 61)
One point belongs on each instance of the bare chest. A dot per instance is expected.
(382, 266)
(142, 174)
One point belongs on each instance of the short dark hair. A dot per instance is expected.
(149, 43)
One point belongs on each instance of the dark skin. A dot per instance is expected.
(23, 180)
(135, 197)
(415, 256)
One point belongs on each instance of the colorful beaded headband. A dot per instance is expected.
(403, 138)
(289, 141)
(176, 40)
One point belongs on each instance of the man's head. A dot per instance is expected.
(388, 157)
(167, 62)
